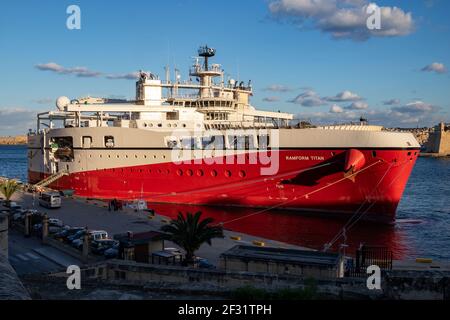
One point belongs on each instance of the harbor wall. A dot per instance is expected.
(439, 140)
(11, 287)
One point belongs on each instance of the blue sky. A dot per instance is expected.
(309, 57)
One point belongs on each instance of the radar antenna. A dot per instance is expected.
(206, 52)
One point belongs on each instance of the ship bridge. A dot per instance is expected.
(206, 102)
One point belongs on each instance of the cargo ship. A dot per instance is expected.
(200, 141)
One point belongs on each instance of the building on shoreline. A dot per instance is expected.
(439, 140)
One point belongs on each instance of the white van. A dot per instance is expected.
(98, 235)
(50, 200)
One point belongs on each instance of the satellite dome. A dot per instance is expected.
(62, 102)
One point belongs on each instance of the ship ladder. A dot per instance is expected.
(50, 179)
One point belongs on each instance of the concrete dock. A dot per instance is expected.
(94, 214)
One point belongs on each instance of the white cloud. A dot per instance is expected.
(309, 98)
(271, 99)
(336, 109)
(435, 67)
(344, 96)
(77, 71)
(415, 113)
(126, 76)
(343, 18)
(415, 107)
(44, 101)
(358, 105)
(278, 88)
(84, 72)
(16, 120)
(391, 102)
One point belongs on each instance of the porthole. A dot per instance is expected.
(159, 171)
(227, 173)
(179, 172)
(242, 174)
(214, 173)
(154, 156)
(200, 172)
(117, 156)
(333, 153)
(189, 173)
(374, 154)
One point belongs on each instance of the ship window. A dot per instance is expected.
(109, 141)
(87, 141)
(62, 147)
(233, 142)
(374, 154)
(213, 142)
(188, 143)
(159, 125)
(263, 142)
(172, 116)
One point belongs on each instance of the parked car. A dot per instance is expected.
(63, 235)
(77, 235)
(15, 207)
(18, 215)
(95, 235)
(55, 222)
(100, 246)
(112, 252)
(204, 263)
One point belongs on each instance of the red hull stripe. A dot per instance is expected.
(300, 184)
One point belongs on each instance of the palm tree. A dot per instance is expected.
(8, 188)
(190, 233)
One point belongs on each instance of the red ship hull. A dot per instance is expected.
(302, 183)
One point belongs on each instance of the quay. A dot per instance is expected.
(94, 214)
(241, 261)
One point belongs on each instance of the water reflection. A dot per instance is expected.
(293, 228)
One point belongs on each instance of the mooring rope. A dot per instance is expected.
(346, 228)
(302, 196)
